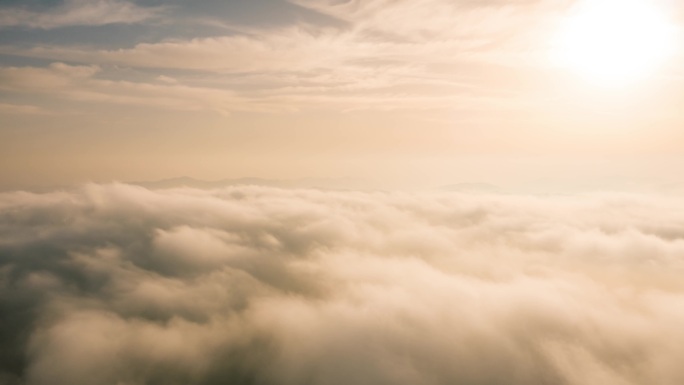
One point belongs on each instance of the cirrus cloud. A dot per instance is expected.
(77, 12)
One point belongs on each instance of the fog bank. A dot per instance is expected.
(116, 284)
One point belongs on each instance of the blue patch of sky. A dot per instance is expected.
(180, 20)
(30, 4)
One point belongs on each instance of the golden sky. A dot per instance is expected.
(409, 92)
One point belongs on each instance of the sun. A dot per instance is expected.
(615, 41)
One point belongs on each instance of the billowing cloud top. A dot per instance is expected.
(115, 284)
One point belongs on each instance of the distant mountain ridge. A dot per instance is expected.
(472, 188)
(320, 183)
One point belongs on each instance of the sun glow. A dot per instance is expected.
(615, 41)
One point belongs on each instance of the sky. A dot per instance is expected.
(334, 192)
(418, 93)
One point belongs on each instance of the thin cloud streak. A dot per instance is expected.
(21, 109)
(78, 12)
(374, 59)
(79, 83)
(381, 92)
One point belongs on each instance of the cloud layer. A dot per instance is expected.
(115, 284)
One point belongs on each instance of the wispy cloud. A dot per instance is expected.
(77, 12)
(292, 49)
(425, 20)
(79, 83)
(426, 54)
(351, 89)
(390, 33)
(21, 109)
(386, 56)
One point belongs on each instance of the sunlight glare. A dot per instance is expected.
(615, 41)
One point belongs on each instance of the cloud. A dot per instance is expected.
(385, 56)
(115, 284)
(21, 109)
(77, 12)
(455, 56)
(289, 49)
(379, 90)
(81, 84)
(379, 32)
(478, 20)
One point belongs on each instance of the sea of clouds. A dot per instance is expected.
(121, 285)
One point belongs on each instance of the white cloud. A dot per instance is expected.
(425, 20)
(21, 109)
(77, 12)
(393, 55)
(395, 35)
(260, 285)
(389, 55)
(382, 89)
(80, 83)
(292, 49)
